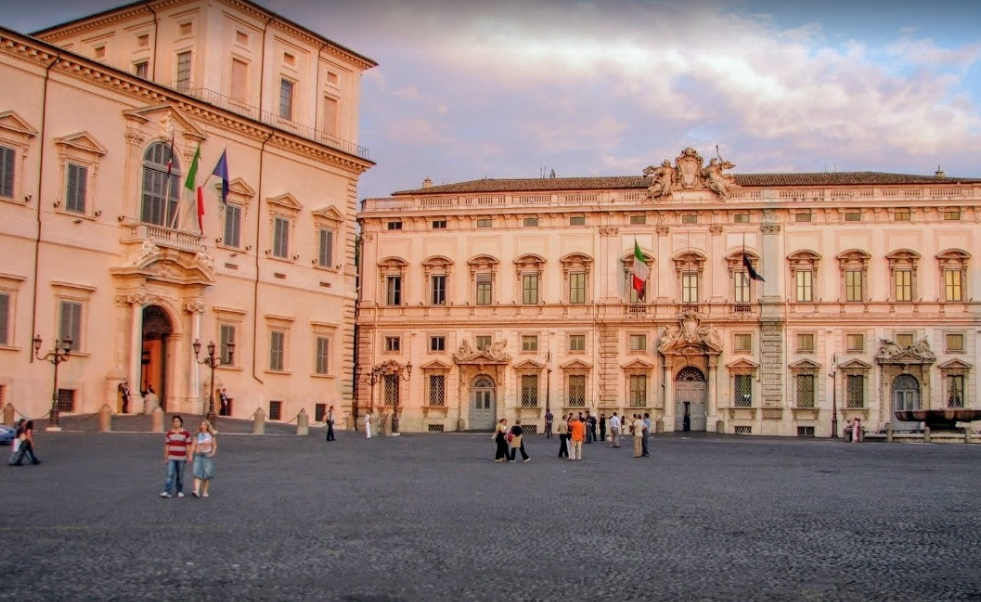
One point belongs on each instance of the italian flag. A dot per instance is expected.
(641, 271)
(191, 184)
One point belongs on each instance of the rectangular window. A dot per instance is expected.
(226, 335)
(233, 226)
(855, 342)
(439, 224)
(4, 319)
(805, 390)
(483, 342)
(183, 80)
(394, 225)
(740, 284)
(529, 289)
(904, 341)
(70, 325)
(955, 391)
(743, 430)
(805, 431)
(393, 290)
(275, 410)
(141, 69)
(393, 343)
(638, 391)
(277, 350)
(904, 285)
(689, 218)
(281, 237)
(78, 177)
(855, 391)
(637, 220)
(577, 220)
(319, 412)
(529, 390)
(577, 288)
(437, 285)
(437, 390)
(805, 343)
(955, 343)
(902, 215)
(529, 343)
(742, 342)
(952, 286)
(853, 286)
(7, 172)
(804, 281)
(689, 287)
(804, 216)
(577, 390)
(952, 215)
(325, 251)
(485, 223)
(186, 29)
(743, 390)
(529, 222)
(740, 218)
(241, 38)
(437, 343)
(66, 400)
(240, 80)
(577, 342)
(330, 116)
(322, 360)
(143, 40)
(638, 342)
(286, 99)
(853, 216)
(484, 289)
(100, 52)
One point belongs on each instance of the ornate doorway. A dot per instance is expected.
(157, 329)
(689, 397)
(905, 396)
(482, 403)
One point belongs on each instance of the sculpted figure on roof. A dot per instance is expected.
(715, 180)
(691, 173)
(662, 180)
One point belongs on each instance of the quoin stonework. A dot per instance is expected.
(776, 304)
(100, 228)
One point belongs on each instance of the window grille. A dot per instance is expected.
(743, 390)
(437, 390)
(391, 389)
(638, 390)
(805, 431)
(435, 428)
(275, 410)
(805, 390)
(66, 400)
(955, 391)
(744, 430)
(577, 390)
(529, 391)
(855, 393)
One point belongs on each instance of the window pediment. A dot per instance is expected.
(436, 366)
(328, 213)
(854, 364)
(903, 255)
(286, 202)
(742, 364)
(529, 260)
(169, 119)
(805, 364)
(393, 263)
(576, 259)
(955, 364)
(638, 364)
(529, 365)
(12, 122)
(237, 187)
(437, 261)
(483, 261)
(576, 365)
(82, 142)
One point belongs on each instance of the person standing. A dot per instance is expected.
(367, 425)
(637, 426)
(124, 395)
(204, 446)
(614, 430)
(329, 421)
(647, 435)
(578, 435)
(224, 403)
(857, 431)
(176, 443)
(518, 442)
(548, 424)
(602, 426)
(501, 439)
(589, 428)
(563, 430)
(25, 434)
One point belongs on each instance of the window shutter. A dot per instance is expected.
(6, 171)
(4, 319)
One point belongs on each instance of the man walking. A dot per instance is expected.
(615, 430)
(548, 424)
(329, 420)
(638, 431)
(647, 434)
(563, 429)
(602, 426)
(578, 435)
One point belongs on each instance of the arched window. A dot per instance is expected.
(160, 192)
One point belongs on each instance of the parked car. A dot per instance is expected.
(7, 434)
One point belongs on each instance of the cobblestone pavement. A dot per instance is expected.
(432, 517)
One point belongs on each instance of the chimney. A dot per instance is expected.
(939, 173)
(427, 183)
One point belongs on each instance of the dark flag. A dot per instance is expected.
(753, 274)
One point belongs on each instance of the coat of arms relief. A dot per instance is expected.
(690, 173)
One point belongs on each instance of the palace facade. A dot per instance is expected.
(102, 237)
(511, 297)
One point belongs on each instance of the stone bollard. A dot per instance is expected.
(9, 414)
(259, 422)
(658, 426)
(157, 420)
(302, 423)
(720, 427)
(926, 434)
(888, 432)
(105, 419)
(386, 425)
(967, 434)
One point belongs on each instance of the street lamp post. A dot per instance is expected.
(212, 361)
(548, 382)
(834, 397)
(395, 414)
(55, 357)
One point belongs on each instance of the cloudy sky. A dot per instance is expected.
(517, 88)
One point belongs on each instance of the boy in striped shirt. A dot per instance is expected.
(175, 456)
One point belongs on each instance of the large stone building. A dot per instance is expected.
(100, 120)
(512, 296)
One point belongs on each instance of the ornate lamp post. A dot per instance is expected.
(548, 382)
(212, 361)
(834, 397)
(395, 415)
(55, 357)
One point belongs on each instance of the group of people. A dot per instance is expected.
(510, 441)
(180, 447)
(23, 444)
(574, 432)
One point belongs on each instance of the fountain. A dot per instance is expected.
(945, 419)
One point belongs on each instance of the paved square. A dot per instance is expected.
(432, 517)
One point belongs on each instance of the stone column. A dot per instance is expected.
(713, 391)
(195, 307)
(669, 403)
(136, 301)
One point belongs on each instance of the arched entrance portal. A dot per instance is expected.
(482, 403)
(690, 396)
(157, 329)
(905, 396)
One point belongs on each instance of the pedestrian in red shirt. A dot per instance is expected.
(176, 443)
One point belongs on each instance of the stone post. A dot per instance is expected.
(9, 414)
(259, 422)
(386, 424)
(302, 423)
(157, 420)
(967, 434)
(926, 434)
(105, 419)
(888, 432)
(720, 427)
